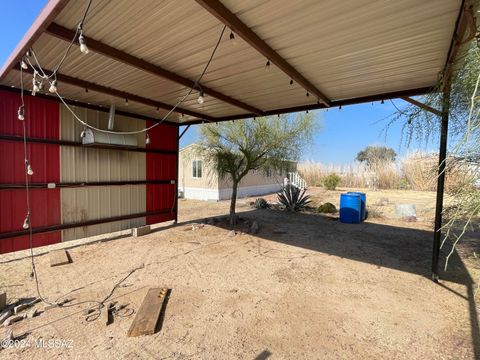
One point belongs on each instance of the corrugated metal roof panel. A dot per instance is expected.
(347, 49)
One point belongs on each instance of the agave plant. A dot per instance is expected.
(261, 203)
(293, 198)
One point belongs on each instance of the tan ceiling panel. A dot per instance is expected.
(347, 49)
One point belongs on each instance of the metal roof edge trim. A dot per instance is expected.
(334, 103)
(43, 20)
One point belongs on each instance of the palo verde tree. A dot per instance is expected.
(235, 148)
(464, 137)
(372, 155)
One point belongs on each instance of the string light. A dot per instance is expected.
(53, 87)
(291, 82)
(21, 113)
(382, 102)
(267, 65)
(126, 102)
(232, 38)
(26, 222)
(340, 107)
(24, 65)
(83, 44)
(306, 112)
(35, 85)
(200, 99)
(147, 138)
(29, 168)
(308, 94)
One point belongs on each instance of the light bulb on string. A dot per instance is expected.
(340, 107)
(291, 82)
(24, 65)
(232, 38)
(26, 222)
(29, 170)
(21, 113)
(53, 87)
(382, 102)
(147, 139)
(267, 65)
(200, 99)
(83, 44)
(35, 87)
(308, 94)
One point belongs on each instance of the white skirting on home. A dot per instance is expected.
(245, 191)
(200, 193)
(223, 194)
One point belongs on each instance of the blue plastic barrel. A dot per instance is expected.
(363, 196)
(350, 208)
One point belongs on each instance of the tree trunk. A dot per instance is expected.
(233, 202)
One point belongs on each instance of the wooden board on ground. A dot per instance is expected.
(146, 320)
(58, 257)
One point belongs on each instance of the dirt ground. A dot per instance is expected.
(305, 287)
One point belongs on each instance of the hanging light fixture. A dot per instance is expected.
(53, 87)
(83, 44)
(200, 99)
(126, 102)
(24, 65)
(29, 169)
(35, 86)
(21, 113)
(232, 38)
(147, 138)
(26, 222)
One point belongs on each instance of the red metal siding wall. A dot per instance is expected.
(42, 117)
(162, 167)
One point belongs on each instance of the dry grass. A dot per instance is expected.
(416, 171)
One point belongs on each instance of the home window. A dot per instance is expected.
(197, 168)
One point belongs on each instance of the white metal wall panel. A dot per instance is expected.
(88, 164)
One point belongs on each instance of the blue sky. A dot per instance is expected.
(344, 132)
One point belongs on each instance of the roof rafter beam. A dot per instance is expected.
(217, 9)
(465, 20)
(422, 105)
(123, 57)
(122, 94)
(345, 102)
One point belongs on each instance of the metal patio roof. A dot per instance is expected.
(150, 51)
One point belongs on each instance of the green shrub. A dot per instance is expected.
(331, 181)
(261, 203)
(327, 208)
